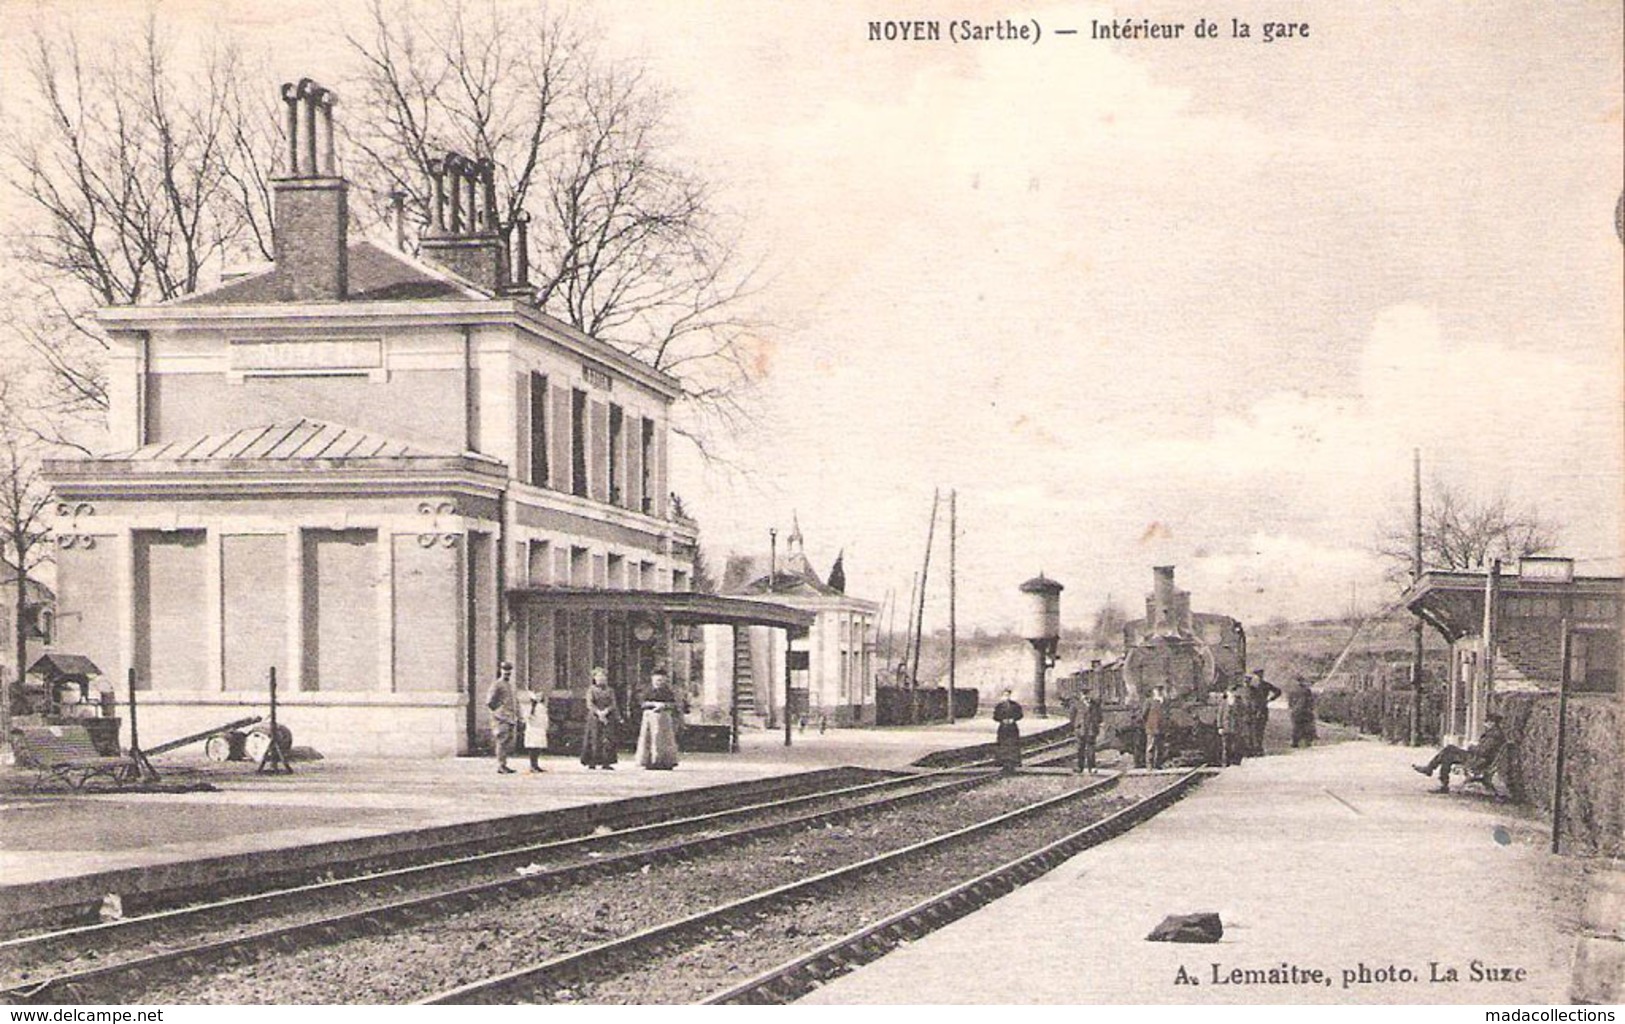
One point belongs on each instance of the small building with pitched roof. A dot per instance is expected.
(830, 670)
(1530, 629)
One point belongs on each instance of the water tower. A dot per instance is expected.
(1042, 628)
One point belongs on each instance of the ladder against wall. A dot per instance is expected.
(744, 675)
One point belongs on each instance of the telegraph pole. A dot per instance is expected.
(953, 579)
(1416, 573)
(925, 574)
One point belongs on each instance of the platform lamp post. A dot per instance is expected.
(1042, 629)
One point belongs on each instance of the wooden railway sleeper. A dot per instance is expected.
(862, 942)
(756, 903)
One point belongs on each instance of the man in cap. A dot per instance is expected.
(504, 705)
(1260, 692)
(1156, 721)
(1086, 728)
(1479, 758)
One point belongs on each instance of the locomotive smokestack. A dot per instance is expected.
(1167, 608)
(1162, 598)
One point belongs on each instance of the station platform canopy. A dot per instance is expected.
(677, 607)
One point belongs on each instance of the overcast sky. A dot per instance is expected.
(1164, 302)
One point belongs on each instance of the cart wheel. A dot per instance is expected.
(259, 740)
(217, 747)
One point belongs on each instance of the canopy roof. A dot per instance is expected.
(674, 606)
(52, 667)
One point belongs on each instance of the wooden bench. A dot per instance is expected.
(66, 753)
(1486, 776)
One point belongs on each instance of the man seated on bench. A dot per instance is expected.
(1479, 758)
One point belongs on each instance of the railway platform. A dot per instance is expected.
(55, 842)
(1337, 859)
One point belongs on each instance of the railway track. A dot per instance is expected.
(596, 968)
(358, 858)
(383, 908)
(794, 978)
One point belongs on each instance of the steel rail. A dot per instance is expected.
(604, 959)
(91, 932)
(796, 977)
(135, 923)
(677, 804)
(982, 753)
(75, 986)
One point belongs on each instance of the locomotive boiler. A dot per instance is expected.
(1187, 659)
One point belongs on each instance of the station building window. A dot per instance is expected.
(578, 443)
(539, 564)
(538, 430)
(646, 447)
(1594, 661)
(170, 571)
(340, 589)
(617, 459)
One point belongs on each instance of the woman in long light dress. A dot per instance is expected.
(657, 737)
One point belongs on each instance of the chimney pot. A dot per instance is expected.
(397, 216)
(521, 250)
(311, 222)
(329, 156)
(471, 243)
(290, 96)
(454, 172)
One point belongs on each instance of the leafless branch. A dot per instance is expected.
(1463, 531)
(625, 241)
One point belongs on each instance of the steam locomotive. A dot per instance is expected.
(1192, 657)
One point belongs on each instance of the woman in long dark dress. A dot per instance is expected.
(1007, 744)
(598, 743)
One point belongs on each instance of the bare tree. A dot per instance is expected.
(24, 533)
(1106, 631)
(140, 180)
(1461, 530)
(627, 245)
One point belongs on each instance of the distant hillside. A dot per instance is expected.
(1287, 650)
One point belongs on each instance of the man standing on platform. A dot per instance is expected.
(1155, 722)
(1259, 694)
(1234, 723)
(1085, 728)
(1301, 702)
(504, 705)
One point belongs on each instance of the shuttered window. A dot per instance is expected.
(578, 443)
(538, 430)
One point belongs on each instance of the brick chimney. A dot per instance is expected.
(311, 201)
(465, 234)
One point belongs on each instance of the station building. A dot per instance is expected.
(1509, 631)
(378, 475)
(828, 671)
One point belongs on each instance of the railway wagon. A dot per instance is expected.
(1192, 658)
